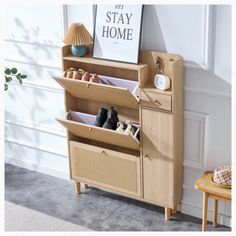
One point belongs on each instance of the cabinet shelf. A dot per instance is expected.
(113, 91)
(81, 124)
(94, 61)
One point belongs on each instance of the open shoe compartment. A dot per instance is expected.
(110, 90)
(81, 124)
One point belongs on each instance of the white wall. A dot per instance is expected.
(197, 32)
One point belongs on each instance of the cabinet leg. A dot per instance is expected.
(86, 186)
(204, 211)
(77, 187)
(215, 212)
(174, 210)
(167, 213)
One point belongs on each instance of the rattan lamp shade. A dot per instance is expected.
(78, 35)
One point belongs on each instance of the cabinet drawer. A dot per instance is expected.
(105, 168)
(156, 100)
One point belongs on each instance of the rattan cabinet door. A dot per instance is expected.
(105, 168)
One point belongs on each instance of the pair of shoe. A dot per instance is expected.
(90, 77)
(107, 119)
(73, 73)
(129, 128)
(80, 74)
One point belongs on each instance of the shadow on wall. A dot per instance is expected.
(151, 33)
(20, 98)
(205, 80)
(153, 39)
(32, 35)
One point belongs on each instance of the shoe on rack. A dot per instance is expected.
(94, 78)
(130, 128)
(101, 117)
(137, 134)
(121, 126)
(112, 119)
(70, 72)
(76, 75)
(86, 76)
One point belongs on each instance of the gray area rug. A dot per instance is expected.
(93, 209)
(19, 218)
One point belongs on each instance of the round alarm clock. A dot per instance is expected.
(161, 82)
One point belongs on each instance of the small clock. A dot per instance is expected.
(161, 82)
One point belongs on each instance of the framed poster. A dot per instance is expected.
(117, 32)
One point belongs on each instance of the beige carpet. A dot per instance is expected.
(19, 218)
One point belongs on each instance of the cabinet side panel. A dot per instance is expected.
(178, 128)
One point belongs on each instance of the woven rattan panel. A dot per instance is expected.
(113, 169)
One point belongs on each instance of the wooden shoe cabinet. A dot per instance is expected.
(149, 171)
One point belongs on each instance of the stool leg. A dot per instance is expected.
(86, 186)
(215, 212)
(204, 211)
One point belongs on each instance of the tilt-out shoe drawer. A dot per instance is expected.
(106, 168)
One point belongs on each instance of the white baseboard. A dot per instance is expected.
(36, 167)
(197, 212)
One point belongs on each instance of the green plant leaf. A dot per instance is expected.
(7, 71)
(8, 78)
(23, 76)
(20, 80)
(18, 76)
(6, 87)
(13, 71)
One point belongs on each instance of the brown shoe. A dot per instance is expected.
(86, 76)
(94, 78)
(76, 75)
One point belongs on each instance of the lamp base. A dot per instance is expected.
(79, 50)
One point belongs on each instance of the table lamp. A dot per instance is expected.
(78, 37)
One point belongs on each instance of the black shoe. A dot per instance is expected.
(101, 117)
(112, 119)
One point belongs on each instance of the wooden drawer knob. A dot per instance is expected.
(147, 157)
(156, 101)
(103, 152)
(90, 129)
(87, 85)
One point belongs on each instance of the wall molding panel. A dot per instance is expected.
(37, 147)
(40, 87)
(53, 44)
(36, 127)
(197, 212)
(52, 171)
(33, 64)
(206, 91)
(206, 60)
(195, 143)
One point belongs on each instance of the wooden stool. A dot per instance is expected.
(211, 190)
